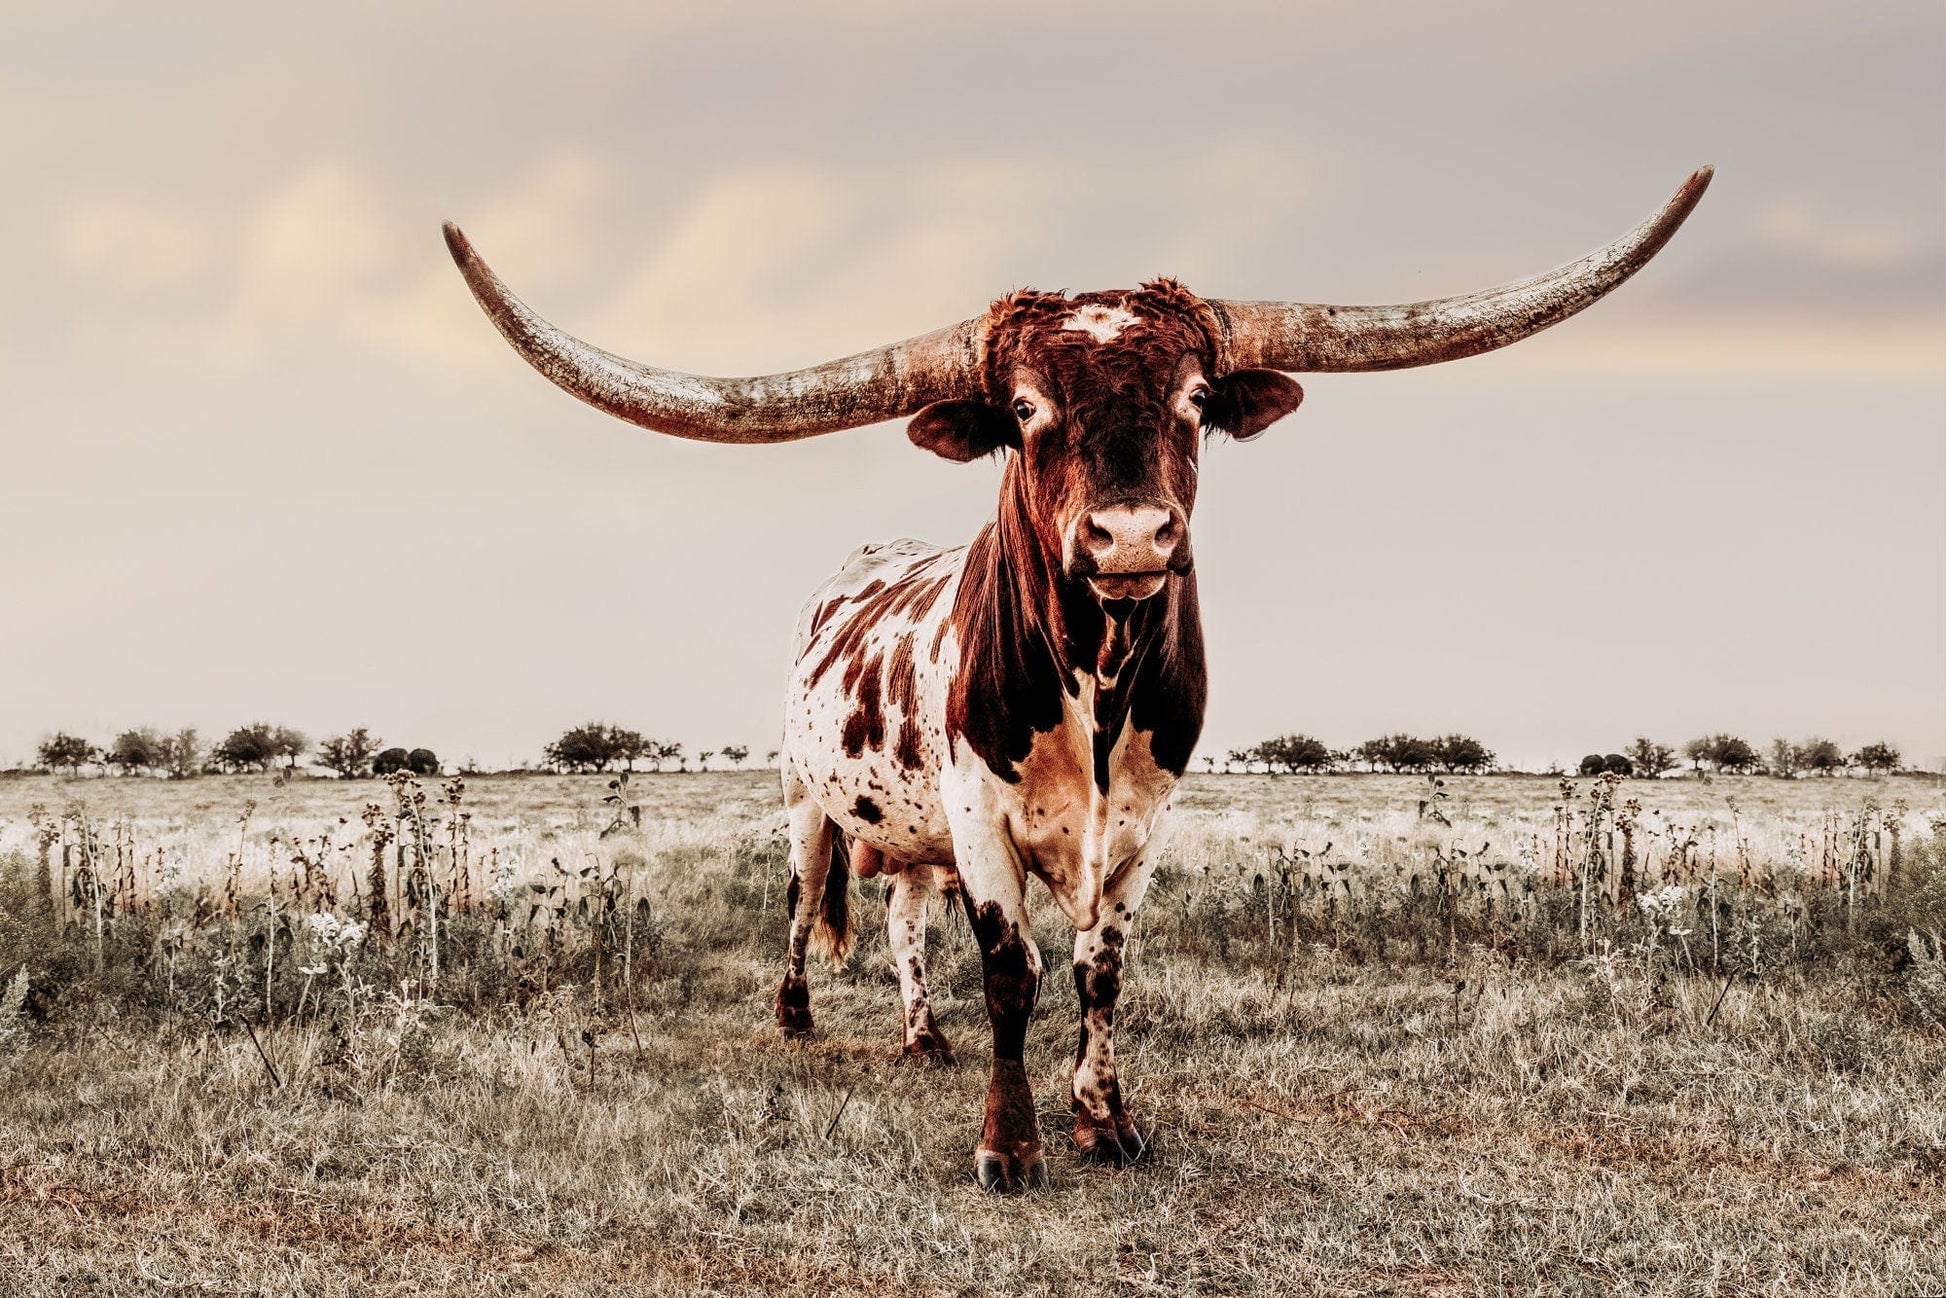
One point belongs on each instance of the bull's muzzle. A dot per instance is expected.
(1128, 551)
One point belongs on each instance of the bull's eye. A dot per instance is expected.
(1199, 397)
(1023, 410)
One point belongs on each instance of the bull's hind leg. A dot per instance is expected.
(811, 839)
(905, 924)
(1103, 1129)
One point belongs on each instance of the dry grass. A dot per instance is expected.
(1329, 1120)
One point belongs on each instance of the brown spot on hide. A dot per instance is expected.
(901, 690)
(1011, 983)
(865, 727)
(868, 811)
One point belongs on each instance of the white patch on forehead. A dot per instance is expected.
(1103, 323)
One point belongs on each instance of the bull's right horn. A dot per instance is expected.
(862, 389)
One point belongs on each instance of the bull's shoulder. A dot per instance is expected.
(868, 572)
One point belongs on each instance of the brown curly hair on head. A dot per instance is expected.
(1030, 324)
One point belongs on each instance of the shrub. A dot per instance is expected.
(1616, 764)
(1593, 764)
(422, 761)
(390, 761)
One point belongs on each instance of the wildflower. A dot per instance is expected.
(1661, 902)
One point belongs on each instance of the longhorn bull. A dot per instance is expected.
(961, 719)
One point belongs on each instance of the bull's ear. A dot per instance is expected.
(1246, 402)
(962, 430)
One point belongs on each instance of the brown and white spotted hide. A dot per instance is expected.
(1023, 706)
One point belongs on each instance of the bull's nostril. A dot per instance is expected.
(1168, 532)
(1095, 536)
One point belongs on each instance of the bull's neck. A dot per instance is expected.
(1032, 639)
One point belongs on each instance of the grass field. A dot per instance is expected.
(1383, 1048)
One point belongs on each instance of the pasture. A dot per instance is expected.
(1499, 1035)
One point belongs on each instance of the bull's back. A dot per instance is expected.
(865, 714)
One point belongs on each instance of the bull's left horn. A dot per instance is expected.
(1309, 338)
(863, 389)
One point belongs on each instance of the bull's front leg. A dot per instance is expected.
(1103, 1130)
(992, 885)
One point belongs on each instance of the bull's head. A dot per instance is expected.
(1098, 402)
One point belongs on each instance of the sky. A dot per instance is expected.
(264, 459)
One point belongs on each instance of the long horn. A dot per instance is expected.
(862, 389)
(1310, 338)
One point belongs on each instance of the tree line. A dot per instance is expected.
(355, 754)
(259, 747)
(600, 746)
(1297, 754)
(1720, 754)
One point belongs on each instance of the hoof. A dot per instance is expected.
(930, 1048)
(794, 1010)
(1010, 1174)
(1114, 1143)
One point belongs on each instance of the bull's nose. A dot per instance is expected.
(1130, 538)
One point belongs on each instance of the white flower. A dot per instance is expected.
(1662, 902)
(323, 927)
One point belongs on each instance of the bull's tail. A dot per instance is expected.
(832, 931)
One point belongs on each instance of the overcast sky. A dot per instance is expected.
(265, 459)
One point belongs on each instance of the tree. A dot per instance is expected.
(1650, 759)
(1729, 753)
(65, 750)
(288, 744)
(1697, 751)
(1616, 764)
(392, 759)
(1880, 756)
(1783, 759)
(1724, 752)
(140, 749)
(702, 759)
(666, 752)
(770, 758)
(1820, 755)
(737, 753)
(1294, 753)
(1461, 753)
(183, 754)
(629, 745)
(247, 747)
(350, 754)
(589, 747)
(422, 761)
(1397, 753)
(1592, 764)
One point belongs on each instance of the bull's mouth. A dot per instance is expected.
(1128, 585)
